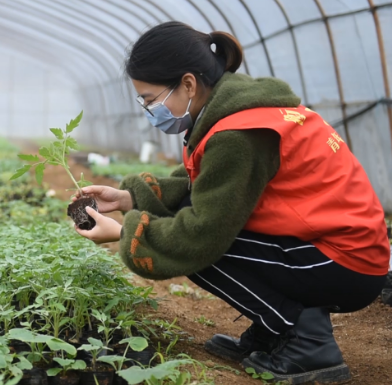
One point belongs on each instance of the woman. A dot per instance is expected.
(270, 212)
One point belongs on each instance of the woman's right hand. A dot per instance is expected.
(108, 198)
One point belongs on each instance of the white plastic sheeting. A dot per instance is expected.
(61, 56)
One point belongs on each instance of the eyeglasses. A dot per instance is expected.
(140, 100)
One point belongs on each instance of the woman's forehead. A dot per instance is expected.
(145, 89)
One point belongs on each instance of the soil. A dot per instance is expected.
(104, 376)
(77, 211)
(70, 378)
(365, 337)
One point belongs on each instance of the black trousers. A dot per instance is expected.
(270, 279)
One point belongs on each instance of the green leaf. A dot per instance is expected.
(53, 372)
(58, 132)
(266, 376)
(74, 123)
(134, 375)
(56, 149)
(20, 335)
(250, 370)
(21, 171)
(79, 365)
(16, 371)
(94, 345)
(63, 361)
(83, 183)
(28, 158)
(15, 380)
(56, 152)
(57, 144)
(25, 335)
(44, 151)
(136, 343)
(24, 364)
(88, 348)
(3, 362)
(181, 380)
(64, 321)
(111, 360)
(57, 344)
(60, 306)
(72, 143)
(39, 173)
(95, 342)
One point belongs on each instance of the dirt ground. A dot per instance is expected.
(365, 337)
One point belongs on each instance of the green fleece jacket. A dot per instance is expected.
(158, 241)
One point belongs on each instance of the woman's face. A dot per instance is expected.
(177, 102)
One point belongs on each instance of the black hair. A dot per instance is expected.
(166, 52)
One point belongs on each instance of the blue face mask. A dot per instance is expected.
(164, 119)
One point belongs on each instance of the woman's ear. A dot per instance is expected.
(190, 83)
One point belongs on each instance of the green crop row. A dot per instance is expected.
(118, 170)
(61, 295)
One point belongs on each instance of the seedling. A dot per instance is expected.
(126, 321)
(70, 363)
(106, 325)
(56, 154)
(11, 364)
(7, 310)
(158, 374)
(205, 321)
(137, 344)
(36, 342)
(65, 365)
(168, 372)
(265, 377)
(80, 312)
(52, 308)
(95, 347)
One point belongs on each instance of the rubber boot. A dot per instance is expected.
(386, 293)
(255, 338)
(308, 353)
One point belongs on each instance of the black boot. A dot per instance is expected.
(308, 353)
(386, 293)
(255, 338)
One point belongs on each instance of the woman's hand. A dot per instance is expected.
(106, 229)
(108, 198)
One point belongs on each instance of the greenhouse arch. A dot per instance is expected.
(59, 57)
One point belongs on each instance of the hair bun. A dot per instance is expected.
(227, 48)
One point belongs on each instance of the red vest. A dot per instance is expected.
(320, 194)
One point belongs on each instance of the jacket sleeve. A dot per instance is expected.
(158, 196)
(235, 169)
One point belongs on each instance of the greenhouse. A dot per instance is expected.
(61, 57)
(63, 300)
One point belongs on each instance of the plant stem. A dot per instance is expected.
(90, 326)
(73, 179)
(65, 165)
(121, 363)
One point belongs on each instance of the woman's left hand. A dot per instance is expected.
(106, 229)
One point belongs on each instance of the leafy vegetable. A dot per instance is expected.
(55, 154)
